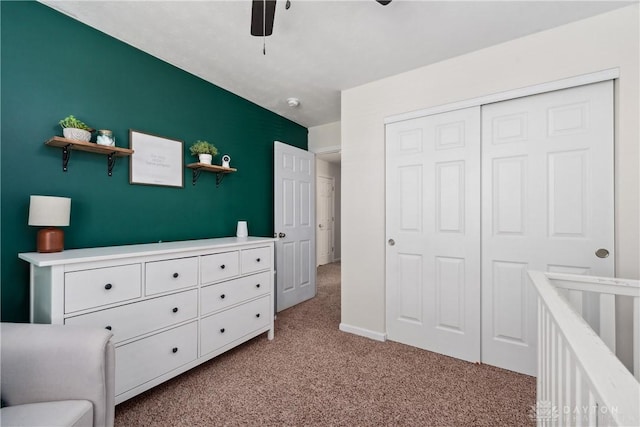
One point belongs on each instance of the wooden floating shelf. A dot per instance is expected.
(91, 147)
(212, 168)
(218, 170)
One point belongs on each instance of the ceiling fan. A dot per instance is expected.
(263, 12)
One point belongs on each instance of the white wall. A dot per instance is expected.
(605, 41)
(324, 137)
(327, 139)
(332, 170)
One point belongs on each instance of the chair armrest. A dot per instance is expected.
(54, 362)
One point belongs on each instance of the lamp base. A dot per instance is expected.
(50, 240)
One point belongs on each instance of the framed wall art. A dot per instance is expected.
(156, 160)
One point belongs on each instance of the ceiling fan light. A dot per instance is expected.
(293, 102)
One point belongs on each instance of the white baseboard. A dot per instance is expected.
(377, 336)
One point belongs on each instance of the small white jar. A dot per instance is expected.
(105, 137)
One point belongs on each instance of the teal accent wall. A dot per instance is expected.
(53, 66)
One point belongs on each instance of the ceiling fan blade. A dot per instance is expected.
(260, 8)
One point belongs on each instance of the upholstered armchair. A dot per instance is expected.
(54, 375)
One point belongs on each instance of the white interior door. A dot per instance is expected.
(547, 204)
(294, 224)
(433, 233)
(325, 216)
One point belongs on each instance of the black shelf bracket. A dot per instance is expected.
(196, 175)
(111, 161)
(219, 178)
(66, 154)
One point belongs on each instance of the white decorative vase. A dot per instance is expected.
(242, 230)
(205, 158)
(77, 134)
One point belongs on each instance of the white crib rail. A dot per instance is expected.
(606, 289)
(580, 380)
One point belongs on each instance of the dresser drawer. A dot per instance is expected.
(163, 276)
(222, 295)
(94, 288)
(148, 358)
(214, 268)
(221, 329)
(256, 259)
(131, 320)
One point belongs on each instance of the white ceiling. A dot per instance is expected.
(318, 48)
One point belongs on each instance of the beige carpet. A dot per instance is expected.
(313, 374)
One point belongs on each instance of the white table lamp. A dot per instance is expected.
(50, 212)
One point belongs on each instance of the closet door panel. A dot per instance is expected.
(433, 233)
(547, 204)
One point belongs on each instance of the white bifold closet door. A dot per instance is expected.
(475, 198)
(547, 205)
(433, 233)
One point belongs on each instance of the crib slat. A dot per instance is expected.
(636, 337)
(608, 320)
(575, 300)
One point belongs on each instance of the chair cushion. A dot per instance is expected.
(71, 413)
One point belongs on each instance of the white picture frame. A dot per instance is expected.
(156, 160)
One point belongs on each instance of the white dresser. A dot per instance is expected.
(170, 306)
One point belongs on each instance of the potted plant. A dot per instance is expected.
(73, 128)
(204, 150)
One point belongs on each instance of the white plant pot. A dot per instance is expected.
(205, 158)
(77, 134)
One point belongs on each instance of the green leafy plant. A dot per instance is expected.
(72, 122)
(203, 147)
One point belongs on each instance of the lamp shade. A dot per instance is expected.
(49, 211)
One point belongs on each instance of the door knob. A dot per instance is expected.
(282, 235)
(391, 242)
(319, 225)
(602, 253)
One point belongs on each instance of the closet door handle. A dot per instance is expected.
(391, 242)
(108, 286)
(174, 350)
(222, 266)
(175, 309)
(222, 330)
(175, 275)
